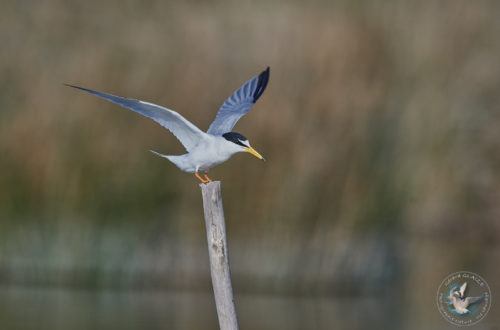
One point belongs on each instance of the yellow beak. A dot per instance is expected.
(254, 152)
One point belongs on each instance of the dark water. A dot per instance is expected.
(54, 309)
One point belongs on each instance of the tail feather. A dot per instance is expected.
(178, 161)
(161, 155)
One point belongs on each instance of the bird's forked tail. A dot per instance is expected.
(177, 160)
(161, 155)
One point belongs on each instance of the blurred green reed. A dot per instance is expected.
(380, 124)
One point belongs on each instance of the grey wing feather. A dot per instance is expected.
(239, 104)
(462, 289)
(473, 300)
(450, 296)
(187, 133)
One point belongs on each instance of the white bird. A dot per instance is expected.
(462, 290)
(460, 302)
(204, 150)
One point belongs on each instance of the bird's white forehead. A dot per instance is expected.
(245, 142)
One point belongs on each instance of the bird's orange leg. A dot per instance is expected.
(200, 178)
(207, 178)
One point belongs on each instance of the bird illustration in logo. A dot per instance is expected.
(460, 302)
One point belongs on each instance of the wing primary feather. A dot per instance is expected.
(473, 300)
(261, 84)
(81, 88)
(187, 133)
(238, 104)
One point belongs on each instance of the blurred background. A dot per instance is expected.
(380, 124)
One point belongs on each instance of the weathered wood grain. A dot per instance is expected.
(217, 250)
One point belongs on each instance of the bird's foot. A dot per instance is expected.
(200, 178)
(207, 178)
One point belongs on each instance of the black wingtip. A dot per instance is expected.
(261, 84)
(74, 86)
(82, 89)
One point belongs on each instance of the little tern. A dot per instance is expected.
(204, 150)
(460, 302)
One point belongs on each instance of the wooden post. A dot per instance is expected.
(217, 250)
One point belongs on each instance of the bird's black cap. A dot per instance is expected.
(235, 138)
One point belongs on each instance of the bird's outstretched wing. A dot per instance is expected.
(462, 289)
(472, 300)
(187, 133)
(239, 104)
(450, 296)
